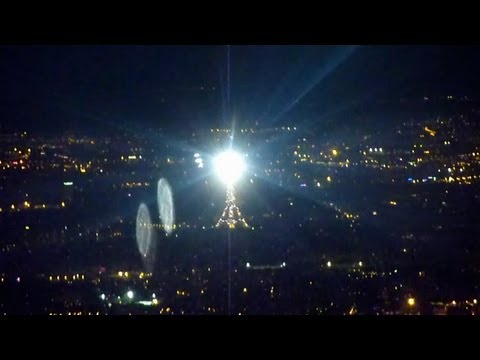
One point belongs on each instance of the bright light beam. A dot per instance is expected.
(317, 78)
(229, 166)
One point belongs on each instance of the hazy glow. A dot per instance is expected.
(411, 301)
(165, 205)
(130, 294)
(229, 166)
(143, 230)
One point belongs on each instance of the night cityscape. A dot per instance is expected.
(239, 180)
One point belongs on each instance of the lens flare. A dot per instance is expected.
(145, 234)
(166, 209)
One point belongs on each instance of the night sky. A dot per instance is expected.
(54, 88)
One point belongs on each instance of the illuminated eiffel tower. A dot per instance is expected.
(231, 216)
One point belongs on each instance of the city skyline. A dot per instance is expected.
(360, 183)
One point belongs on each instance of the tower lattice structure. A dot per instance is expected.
(231, 216)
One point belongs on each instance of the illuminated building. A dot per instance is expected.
(231, 216)
(229, 166)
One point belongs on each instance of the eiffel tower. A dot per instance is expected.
(231, 216)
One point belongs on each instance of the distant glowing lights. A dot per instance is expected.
(130, 294)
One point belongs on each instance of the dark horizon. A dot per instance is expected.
(54, 88)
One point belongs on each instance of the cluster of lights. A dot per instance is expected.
(130, 157)
(135, 184)
(73, 313)
(224, 130)
(198, 160)
(74, 277)
(266, 267)
(430, 131)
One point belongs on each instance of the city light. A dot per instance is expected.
(420, 198)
